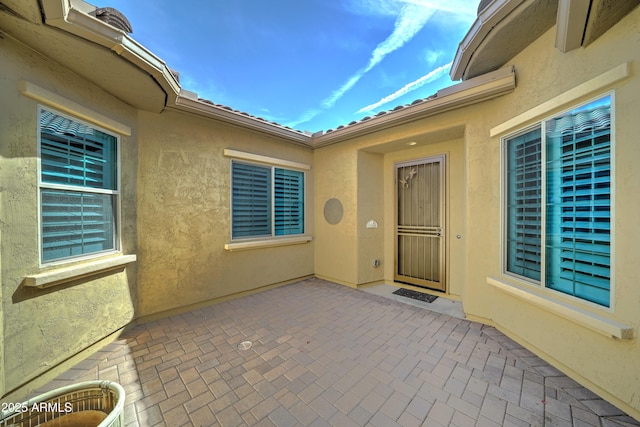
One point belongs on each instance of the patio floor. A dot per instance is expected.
(325, 354)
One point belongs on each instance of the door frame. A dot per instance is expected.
(442, 286)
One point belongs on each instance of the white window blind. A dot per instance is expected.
(251, 200)
(78, 188)
(266, 201)
(576, 202)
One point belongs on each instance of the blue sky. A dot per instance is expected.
(308, 64)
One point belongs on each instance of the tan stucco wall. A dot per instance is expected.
(371, 192)
(607, 365)
(176, 216)
(360, 173)
(348, 169)
(336, 246)
(43, 327)
(184, 214)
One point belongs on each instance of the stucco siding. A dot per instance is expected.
(360, 173)
(336, 246)
(184, 209)
(43, 327)
(545, 75)
(371, 220)
(176, 208)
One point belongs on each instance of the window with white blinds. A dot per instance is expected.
(288, 187)
(251, 200)
(266, 201)
(524, 208)
(78, 188)
(558, 203)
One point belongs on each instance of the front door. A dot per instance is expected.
(420, 223)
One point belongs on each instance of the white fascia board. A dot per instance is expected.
(186, 102)
(72, 17)
(145, 59)
(571, 22)
(493, 14)
(478, 89)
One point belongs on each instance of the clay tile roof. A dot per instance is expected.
(244, 113)
(116, 19)
(113, 17)
(382, 113)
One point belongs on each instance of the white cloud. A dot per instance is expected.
(392, 7)
(410, 21)
(427, 78)
(207, 89)
(337, 94)
(305, 117)
(456, 7)
(432, 56)
(411, 17)
(374, 7)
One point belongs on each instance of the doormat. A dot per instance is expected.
(415, 295)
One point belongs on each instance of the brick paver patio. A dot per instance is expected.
(324, 354)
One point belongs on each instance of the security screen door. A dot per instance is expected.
(420, 225)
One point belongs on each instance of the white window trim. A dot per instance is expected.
(117, 193)
(257, 158)
(551, 296)
(90, 265)
(63, 275)
(67, 106)
(602, 325)
(566, 99)
(266, 241)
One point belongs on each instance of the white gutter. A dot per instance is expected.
(488, 18)
(73, 16)
(478, 89)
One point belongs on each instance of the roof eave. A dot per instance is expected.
(472, 91)
(488, 18)
(73, 17)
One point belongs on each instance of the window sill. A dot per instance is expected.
(592, 321)
(66, 274)
(266, 243)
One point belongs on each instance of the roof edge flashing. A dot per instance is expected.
(492, 14)
(472, 91)
(189, 102)
(72, 16)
